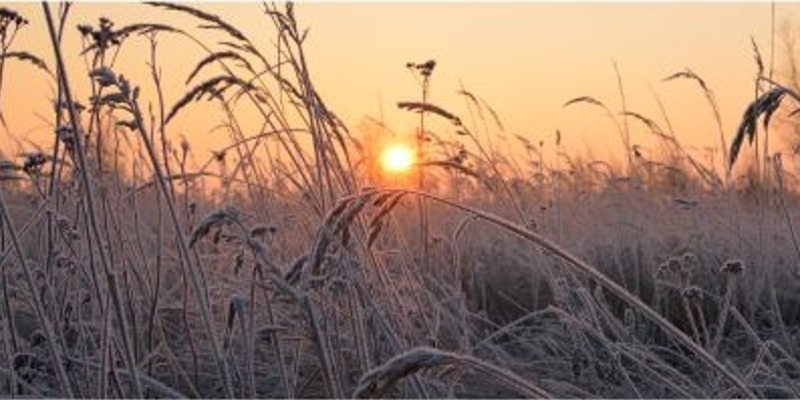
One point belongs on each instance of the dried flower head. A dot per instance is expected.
(689, 260)
(674, 264)
(692, 293)
(9, 14)
(67, 229)
(425, 69)
(34, 162)
(734, 266)
(37, 338)
(11, 19)
(65, 134)
(103, 37)
(662, 271)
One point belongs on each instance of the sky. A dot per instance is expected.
(524, 59)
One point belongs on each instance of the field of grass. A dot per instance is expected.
(289, 265)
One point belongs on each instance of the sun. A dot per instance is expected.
(397, 158)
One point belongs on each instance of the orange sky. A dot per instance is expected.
(525, 59)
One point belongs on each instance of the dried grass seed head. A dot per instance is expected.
(217, 218)
(104, 76)
(765, 105)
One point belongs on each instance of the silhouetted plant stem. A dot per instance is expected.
(89, 200)
(186, 254)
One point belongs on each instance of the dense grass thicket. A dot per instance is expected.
(290, 265)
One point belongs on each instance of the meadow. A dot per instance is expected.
(296, 261)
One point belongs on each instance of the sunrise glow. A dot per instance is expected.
(397, 158)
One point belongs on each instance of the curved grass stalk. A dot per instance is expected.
(381, 379)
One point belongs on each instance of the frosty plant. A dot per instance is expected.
(422, 72)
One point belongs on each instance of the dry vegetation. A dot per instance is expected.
(283, 267)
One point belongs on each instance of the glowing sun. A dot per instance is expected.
(397, 158)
